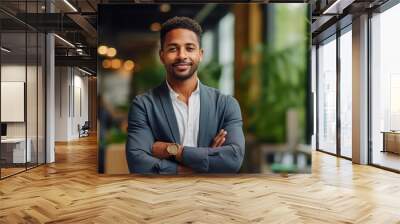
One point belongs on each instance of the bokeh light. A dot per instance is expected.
(106, 63)
(165, 7)
(116, 63)
(102, 50)
(129, 65)
(155, 27)
(111, 52)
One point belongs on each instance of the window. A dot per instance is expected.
(385, 88)
(346, 93)
(327, 96)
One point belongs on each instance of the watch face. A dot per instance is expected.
(172, 149)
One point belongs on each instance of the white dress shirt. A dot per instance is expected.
(187, 116)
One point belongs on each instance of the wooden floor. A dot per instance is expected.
(71, 191)
(386, 159)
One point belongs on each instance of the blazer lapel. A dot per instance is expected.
(204, 112)
(169, 112)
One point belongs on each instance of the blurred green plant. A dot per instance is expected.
(115, 135)
(210, 73)
(275, 79)
(147, 77)
(281, 84)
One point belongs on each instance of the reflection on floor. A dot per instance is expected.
(386, 159)
(10, 169)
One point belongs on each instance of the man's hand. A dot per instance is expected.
(159, 150)
(219, 140)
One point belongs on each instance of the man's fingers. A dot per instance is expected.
(220, 133)
(216, 138)
(219, 139)
(220, 142)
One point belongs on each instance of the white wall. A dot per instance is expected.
(62, 81)
(16, 73)
(80, 94)
(12, 73)
(71, 92)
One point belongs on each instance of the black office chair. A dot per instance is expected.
(84, 130)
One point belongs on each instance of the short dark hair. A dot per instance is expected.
(180, 22)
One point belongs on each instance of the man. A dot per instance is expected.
(183, 126)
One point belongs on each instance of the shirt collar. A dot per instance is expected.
(174, 94)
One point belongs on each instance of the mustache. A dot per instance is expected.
(182, 63)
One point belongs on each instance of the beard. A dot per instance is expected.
(182, 74)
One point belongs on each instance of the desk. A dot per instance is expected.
(391, 141)
(16, 147)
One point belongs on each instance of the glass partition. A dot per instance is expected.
(22, 90)
(13, 107)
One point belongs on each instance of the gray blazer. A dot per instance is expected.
(152, 118)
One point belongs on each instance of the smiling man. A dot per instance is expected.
(183, 126)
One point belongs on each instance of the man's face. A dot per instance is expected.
(181, 53)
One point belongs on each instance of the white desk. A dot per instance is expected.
(19, 155)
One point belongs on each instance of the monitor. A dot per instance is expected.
(3, 129)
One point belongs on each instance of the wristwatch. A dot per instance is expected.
(172, 149)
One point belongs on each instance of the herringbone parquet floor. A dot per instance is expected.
(71, 191)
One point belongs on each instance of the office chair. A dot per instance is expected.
(84, 130)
